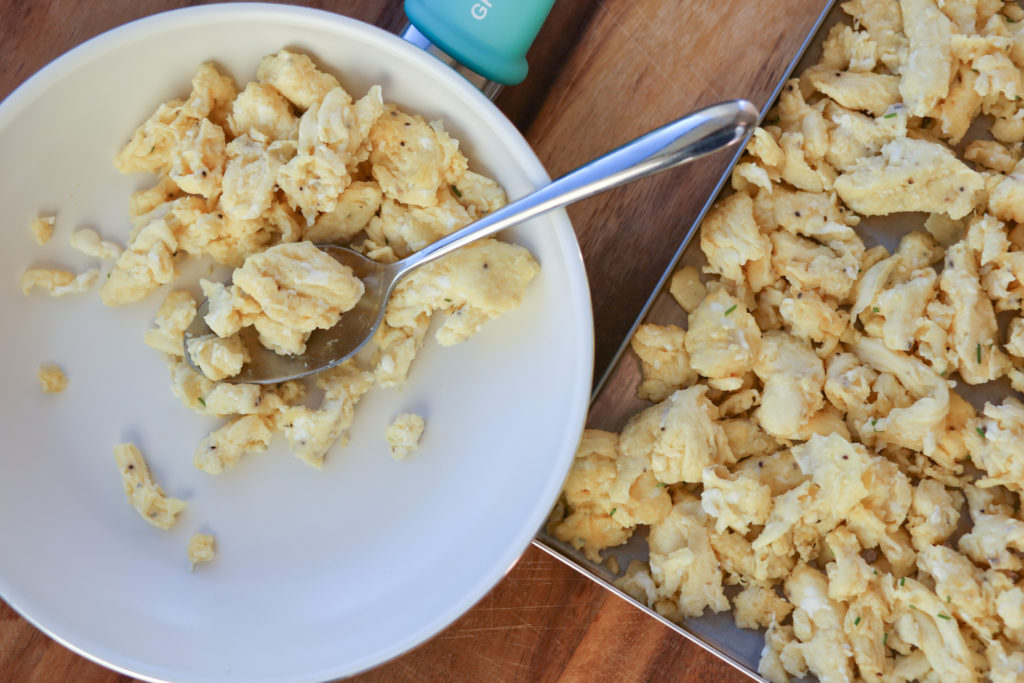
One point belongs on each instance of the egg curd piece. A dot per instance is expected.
(723, 340)
(152, 504)
(299, 286)
(910, 175)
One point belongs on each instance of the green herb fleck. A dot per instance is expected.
(944, 616)
(856, 621)
(612, 513)
(448, 299)
(456, 192)
(108, 276)
(875, 571)
(975, 71)
(903, 580)
(912, 606)
(977, 352)
(942, 373)
(1009, 20)
(890, 115)
(885, 637)
(662, 484)
(730, 309)
(981, 432)
(876, 309)
(948, 598)
(202, 401)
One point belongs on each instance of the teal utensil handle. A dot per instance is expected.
(490, 37)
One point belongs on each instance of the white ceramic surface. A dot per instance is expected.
(319, 573)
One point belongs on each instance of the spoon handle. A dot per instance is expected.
(692, 136)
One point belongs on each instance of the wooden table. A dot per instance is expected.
(602, 72)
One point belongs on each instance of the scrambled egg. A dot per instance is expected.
(254, 178)
(51, 378)
(403, 435)
(42, 228)
(200, 549)
(148, 499)
(58, 282)
(804, 418)
(87, 241)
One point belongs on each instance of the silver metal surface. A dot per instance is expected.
(487, 87)
(691, 137)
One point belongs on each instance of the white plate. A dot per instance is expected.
(319, 574)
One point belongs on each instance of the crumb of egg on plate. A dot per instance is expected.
(52, 378)
(403, 434)
(144, 494)
(201, 548)
(808, 461)
(42, 228)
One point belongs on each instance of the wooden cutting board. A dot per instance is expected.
(601, 72)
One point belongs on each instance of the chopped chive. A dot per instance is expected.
(876, 309)
(942, 373)
(1009, 20)
(612, 513)
(448, 299)
(730, 309)
(890, 115)
(948, 598)
(856, 621)
(662, 484)
(912, 606)
(903, 580)
(875, 571)
(456, 192)
(981, 433)
(202, 401)
(944, 616)
(975, 71)
(885, 637)
(977, 352)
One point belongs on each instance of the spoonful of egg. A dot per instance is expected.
(683, 140)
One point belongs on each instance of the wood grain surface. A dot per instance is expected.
(602, 72)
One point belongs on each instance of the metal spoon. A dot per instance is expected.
(683, 140)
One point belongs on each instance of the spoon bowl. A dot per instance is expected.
(692, 136)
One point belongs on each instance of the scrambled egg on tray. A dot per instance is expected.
(808, 462)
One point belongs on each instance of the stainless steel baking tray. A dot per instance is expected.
(614, 401)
